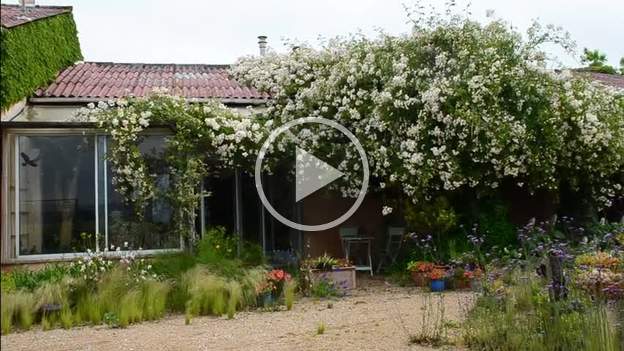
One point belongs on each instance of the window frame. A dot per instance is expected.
(10, 164)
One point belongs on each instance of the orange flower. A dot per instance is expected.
(437, 274)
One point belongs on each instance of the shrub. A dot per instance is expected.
(31, 279)
(524, 318)
(324, 288)
(219, 251)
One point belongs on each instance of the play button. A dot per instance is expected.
(312, 174)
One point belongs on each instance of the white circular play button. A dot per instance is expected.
(311, 174)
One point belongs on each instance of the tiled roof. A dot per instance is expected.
(615, 80)
(15, 15)
(98, 80)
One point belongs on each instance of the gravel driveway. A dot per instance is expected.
(377, 317)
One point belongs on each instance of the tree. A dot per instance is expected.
(596, 61)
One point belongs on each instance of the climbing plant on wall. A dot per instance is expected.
(32, 54)
(199, 132)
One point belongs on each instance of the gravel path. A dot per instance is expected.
(377, 317)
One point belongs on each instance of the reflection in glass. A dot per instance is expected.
(156, 231)
(56, 194)
(220, 207)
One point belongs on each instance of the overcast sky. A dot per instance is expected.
(168, 31)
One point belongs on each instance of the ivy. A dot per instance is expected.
(32, 54)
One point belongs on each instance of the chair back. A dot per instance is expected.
(348, 232)
(395, 239)
(396, 232)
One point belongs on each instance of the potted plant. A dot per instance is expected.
(475, 278)
(337, 271)
(270, 289)
(460, 279)
(419, 271)
(437, 279)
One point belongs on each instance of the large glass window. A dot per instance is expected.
(220, 206)
(67, 200)
(56, 193)
(155, 231)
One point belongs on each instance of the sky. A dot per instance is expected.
(193, 31)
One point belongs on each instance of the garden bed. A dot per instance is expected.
(376, 316)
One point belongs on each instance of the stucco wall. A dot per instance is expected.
(323, 207)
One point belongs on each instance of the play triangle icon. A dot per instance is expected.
(312, 174)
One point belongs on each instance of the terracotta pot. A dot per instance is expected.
(420, 278)
(461, 284)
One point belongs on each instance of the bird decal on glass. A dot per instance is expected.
(29, 161)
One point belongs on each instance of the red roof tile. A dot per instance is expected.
(615, 80)
(103, 80)
(15, 15)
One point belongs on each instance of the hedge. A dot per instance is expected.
(32, 54)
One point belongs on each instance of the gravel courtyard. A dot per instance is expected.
(376, 317)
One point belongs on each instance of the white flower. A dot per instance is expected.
(386, 210)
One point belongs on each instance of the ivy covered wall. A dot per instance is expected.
(33, 53)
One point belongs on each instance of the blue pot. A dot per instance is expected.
(265, 299)
(437, 285)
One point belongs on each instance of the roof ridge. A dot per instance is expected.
(40, 6)
(14, 15)
(156, 64)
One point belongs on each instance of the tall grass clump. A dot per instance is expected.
(154, 296)
(524, 317)
(290, 289)
(235, 296)
(252, 278)
(53, 302)
(18, 310)
(7, 308)
(122, 300)
(207, 293)
(25, 309)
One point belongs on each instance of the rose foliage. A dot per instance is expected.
(453, 105)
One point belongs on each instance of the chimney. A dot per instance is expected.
(27, 3)
(262, 44)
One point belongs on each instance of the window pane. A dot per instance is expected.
(220, 207)
(156, 231)
(56, 194)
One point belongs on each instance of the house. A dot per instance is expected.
(58, 199)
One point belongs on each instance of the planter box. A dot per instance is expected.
(420, 278)
(343, 277)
